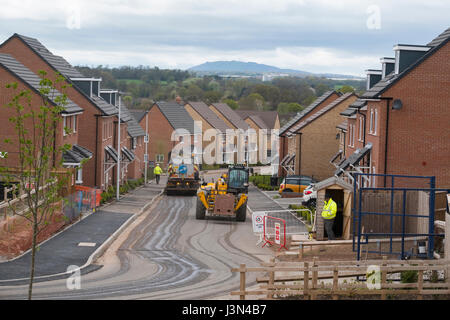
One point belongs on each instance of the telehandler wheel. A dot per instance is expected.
(200, 211)
(241, 214)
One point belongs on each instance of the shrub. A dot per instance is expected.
(409, 276)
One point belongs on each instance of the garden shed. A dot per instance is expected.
(341, 192)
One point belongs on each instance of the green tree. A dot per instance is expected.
(252, 102)
(35, 173)
(346, 89)
(212, 96)
(231, 103)
(285, 108)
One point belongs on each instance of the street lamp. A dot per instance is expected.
(118, 152)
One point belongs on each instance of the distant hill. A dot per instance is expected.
(254, 69)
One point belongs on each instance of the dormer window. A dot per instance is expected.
(406, 55)
(90, 86)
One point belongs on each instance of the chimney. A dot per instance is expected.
(373, 77)
(388, 65)
(406, 55)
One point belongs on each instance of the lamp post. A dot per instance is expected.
(118, 152)
(146, 149)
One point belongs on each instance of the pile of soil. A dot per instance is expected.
(16, 234)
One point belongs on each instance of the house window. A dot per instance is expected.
(75, 122)
(351, 136)
(159, 158)
(79, 174)
(374, 171)
(375, 125)
(360, 137)
(373, 121)
(64, 126)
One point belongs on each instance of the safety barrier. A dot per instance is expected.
(294, 224)
(91, 195)
(275, 232)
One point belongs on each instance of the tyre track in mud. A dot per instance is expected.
(169, 255)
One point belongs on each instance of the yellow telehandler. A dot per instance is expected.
(227, 197)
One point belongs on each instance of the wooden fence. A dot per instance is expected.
(303, 279)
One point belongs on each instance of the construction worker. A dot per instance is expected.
(171, 170)
(158, 171)
(329, 215)
(196, 173)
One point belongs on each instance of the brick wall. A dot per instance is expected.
(319, 143)
(419, 134)
(87, 122)
(160, 132)
(7, 129)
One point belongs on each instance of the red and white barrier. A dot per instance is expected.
(275, 232)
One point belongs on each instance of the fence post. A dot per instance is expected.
(306, 281)
(314, 278)
(300, 251)
(242, 279)
(420, 285)
(383, 279)
(335, 282)
(271, 279)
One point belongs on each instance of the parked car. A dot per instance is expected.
(295, 184)
(309, 196)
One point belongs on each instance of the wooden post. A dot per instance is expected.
(383, 279)
(420, 285)
(335, 282)
(242, 286)
(271, 279)
(300, 251)
(314, 278)
(306, 281)
(447, 241)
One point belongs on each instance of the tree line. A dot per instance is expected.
(144, 85)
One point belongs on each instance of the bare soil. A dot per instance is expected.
(16, 234)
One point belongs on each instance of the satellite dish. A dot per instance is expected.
(398, 104)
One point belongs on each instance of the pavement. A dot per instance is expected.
(259, 201)
(263, 201)
(83, 242)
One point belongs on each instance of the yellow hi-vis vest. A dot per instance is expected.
(329, 210)
(157, 171)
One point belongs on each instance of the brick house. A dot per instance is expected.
(132, 144)
(317, 143)
(12, 71)
(290, 141)
(163, 119)
(234, 121)
(404, 115)
(262, 120)
(96, 123)
(199, 111)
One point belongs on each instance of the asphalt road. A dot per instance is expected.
(165, 254)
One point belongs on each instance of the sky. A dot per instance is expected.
(320, 36)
